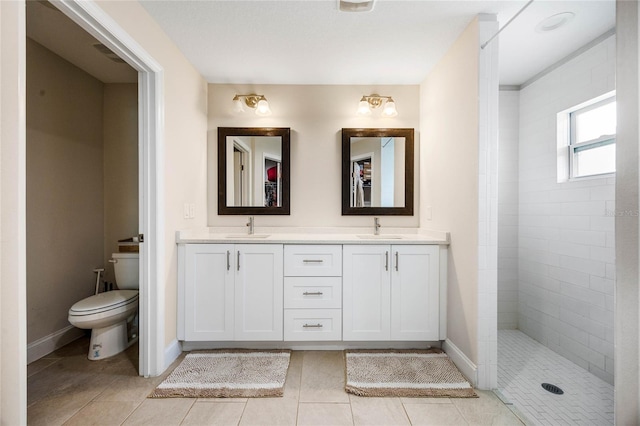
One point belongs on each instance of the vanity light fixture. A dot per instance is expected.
(375, 101)
(257, 102)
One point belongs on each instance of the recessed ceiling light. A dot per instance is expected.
(554, 22)
(355, 5)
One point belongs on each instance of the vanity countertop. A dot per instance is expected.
(232, 236)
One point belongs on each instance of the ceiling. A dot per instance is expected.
(312, 42)
(52, 29)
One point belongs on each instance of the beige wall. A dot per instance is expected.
(184, 145)
(316, 115)
(121, 167)
(449, 178)
(64, 188)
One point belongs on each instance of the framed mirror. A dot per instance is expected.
(377, 172)
(253, 170)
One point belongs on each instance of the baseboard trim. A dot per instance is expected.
(464, 364)
(171, 353)
(47, 344)
(308, 346)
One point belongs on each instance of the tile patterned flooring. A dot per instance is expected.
(66, 388)
(524, 364)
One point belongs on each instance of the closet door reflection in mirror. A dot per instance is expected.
(253, 175)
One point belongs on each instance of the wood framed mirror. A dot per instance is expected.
(254, 170)
(377, 172)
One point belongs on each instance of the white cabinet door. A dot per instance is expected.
(366, 294)
(414, 292)
(208, 292)
(258, 292)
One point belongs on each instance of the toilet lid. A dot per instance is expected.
(104, 301)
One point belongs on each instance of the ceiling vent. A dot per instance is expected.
(108, 53)
(355, 5)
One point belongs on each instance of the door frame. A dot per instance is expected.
(88, 15)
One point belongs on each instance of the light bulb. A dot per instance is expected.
(363, 108)
(262, 109)
(389, 109)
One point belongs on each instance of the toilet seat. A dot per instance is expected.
(104, 309)
(104, 302)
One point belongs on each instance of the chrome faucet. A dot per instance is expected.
(250, 225)
(376, 226)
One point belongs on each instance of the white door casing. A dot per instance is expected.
(88, 15)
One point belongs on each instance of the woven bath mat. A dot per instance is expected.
(405, 373)
(227, 374)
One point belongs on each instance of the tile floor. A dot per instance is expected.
(66, 388)
(524, 364)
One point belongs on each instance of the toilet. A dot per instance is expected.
(108, 314)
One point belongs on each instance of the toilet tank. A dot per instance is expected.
(126, 269)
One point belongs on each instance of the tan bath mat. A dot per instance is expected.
(227, 374)
(405, 373)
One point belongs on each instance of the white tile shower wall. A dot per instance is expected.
(508, 210)
(566, 255)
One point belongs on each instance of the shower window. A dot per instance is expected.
(592, 139)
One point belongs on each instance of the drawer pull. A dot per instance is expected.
(386, 260)
(312, 293)
(312, 261)
(228, 260)
(312, 325)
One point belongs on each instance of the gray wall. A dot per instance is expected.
(121, 167)
(65, 207)
(82, 187)
(508, 210)
(627, 387)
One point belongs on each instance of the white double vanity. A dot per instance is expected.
(310, 290)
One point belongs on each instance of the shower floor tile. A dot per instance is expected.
(524, 364)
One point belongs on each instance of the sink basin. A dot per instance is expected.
(249, 236)
(379, 237)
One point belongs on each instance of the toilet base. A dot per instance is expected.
(109, 341)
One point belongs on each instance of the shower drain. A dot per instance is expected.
(552, 388)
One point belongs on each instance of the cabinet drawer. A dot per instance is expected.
(313, 292)
(312, 324)
(312, 260)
